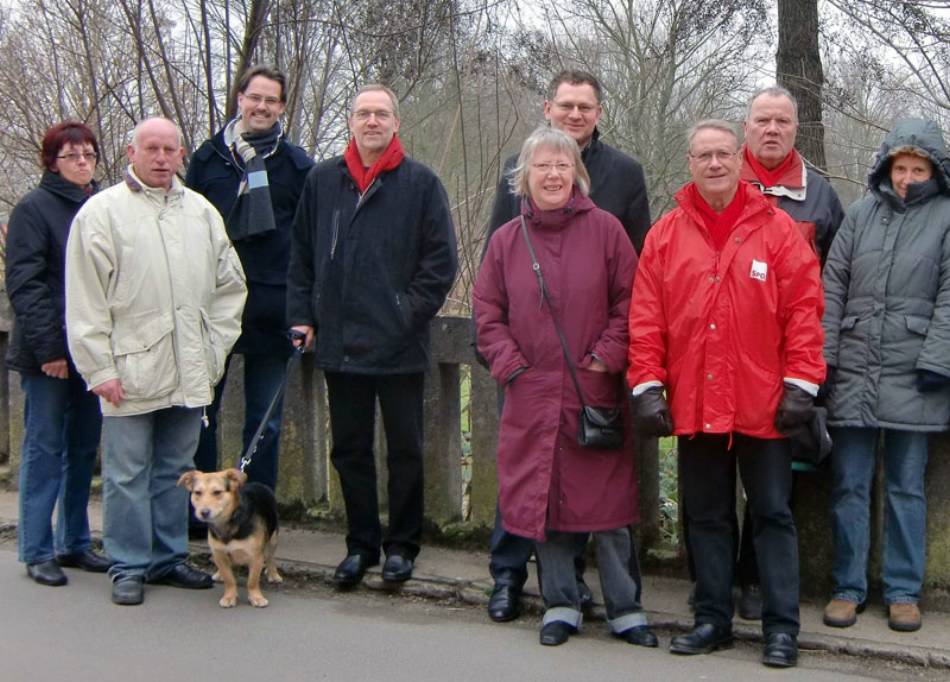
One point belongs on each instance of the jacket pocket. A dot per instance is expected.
(215, 357)
(848, 322)
(403, 312)
(853, 347)
(918, 325)
(601, 389)
(145, 358)
(334, 232)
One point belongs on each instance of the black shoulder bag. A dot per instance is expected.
(600, 428)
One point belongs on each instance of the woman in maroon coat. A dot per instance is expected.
(550, 487)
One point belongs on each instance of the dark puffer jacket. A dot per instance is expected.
(887, 292)
(36, 271)
(369, 272)
(216, 174)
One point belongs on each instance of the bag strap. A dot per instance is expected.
(544, 295)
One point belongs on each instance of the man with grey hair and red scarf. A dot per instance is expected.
(727, 355)
(373, 258)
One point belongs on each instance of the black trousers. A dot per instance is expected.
(747, 567)
(352, 399)
(708, 468)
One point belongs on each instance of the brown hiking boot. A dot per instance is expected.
(841, 613)
(903, 617)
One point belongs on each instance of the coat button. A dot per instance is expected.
(708, 426)
(712, 325)
(709, 376)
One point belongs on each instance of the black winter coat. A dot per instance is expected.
(216, 174)
(369, 273)
(36, 271)
(617, 185)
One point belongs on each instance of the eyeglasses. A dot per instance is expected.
(706, 158)
(561, 168)
(74, 157)
(568, 107)
(256, 100)
(380, 114)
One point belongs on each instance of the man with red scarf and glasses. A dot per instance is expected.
(772, 165)
(373, 257)
(726, 322)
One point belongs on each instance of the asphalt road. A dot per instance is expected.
(313, 633)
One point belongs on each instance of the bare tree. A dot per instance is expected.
(798, 68)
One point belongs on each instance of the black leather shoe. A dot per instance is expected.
(128, 591)
(781, 650)
(351, 570)
(641, 635)
(87, 560)
(397, 569)
(184, 576)
(504, 603)
(556, 633)
(47, 573)
(750, 603)
(703, 639)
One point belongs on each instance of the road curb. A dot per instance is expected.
(475, 593)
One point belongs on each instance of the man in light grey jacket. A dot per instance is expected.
(154, 294)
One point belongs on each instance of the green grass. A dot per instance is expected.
(669, 492)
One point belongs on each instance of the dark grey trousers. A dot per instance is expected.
(620, 584)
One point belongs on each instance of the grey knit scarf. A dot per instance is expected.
(252, 215)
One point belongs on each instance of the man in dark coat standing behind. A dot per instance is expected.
(373, 258)
(253, 175)
(617, 185)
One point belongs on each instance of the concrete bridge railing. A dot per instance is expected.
(460, 486)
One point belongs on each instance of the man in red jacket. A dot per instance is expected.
(726, 316)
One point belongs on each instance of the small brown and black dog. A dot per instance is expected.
(242, 528)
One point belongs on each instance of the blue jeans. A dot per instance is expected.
(263, 373)
(145, 513)
(905, 517)
(62, 425)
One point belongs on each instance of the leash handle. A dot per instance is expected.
(259, 434)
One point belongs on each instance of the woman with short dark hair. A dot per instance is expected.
(62, 419)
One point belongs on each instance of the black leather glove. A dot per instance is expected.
(931, 382)
(825, 389)
(651, 414)
(795, 409)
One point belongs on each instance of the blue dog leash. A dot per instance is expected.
(259, 434)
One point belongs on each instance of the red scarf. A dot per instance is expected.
(773, 177)
(719, 225)
(391, 157)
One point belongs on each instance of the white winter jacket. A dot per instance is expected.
(154, 295)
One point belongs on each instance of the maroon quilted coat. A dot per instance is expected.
(546, 480)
